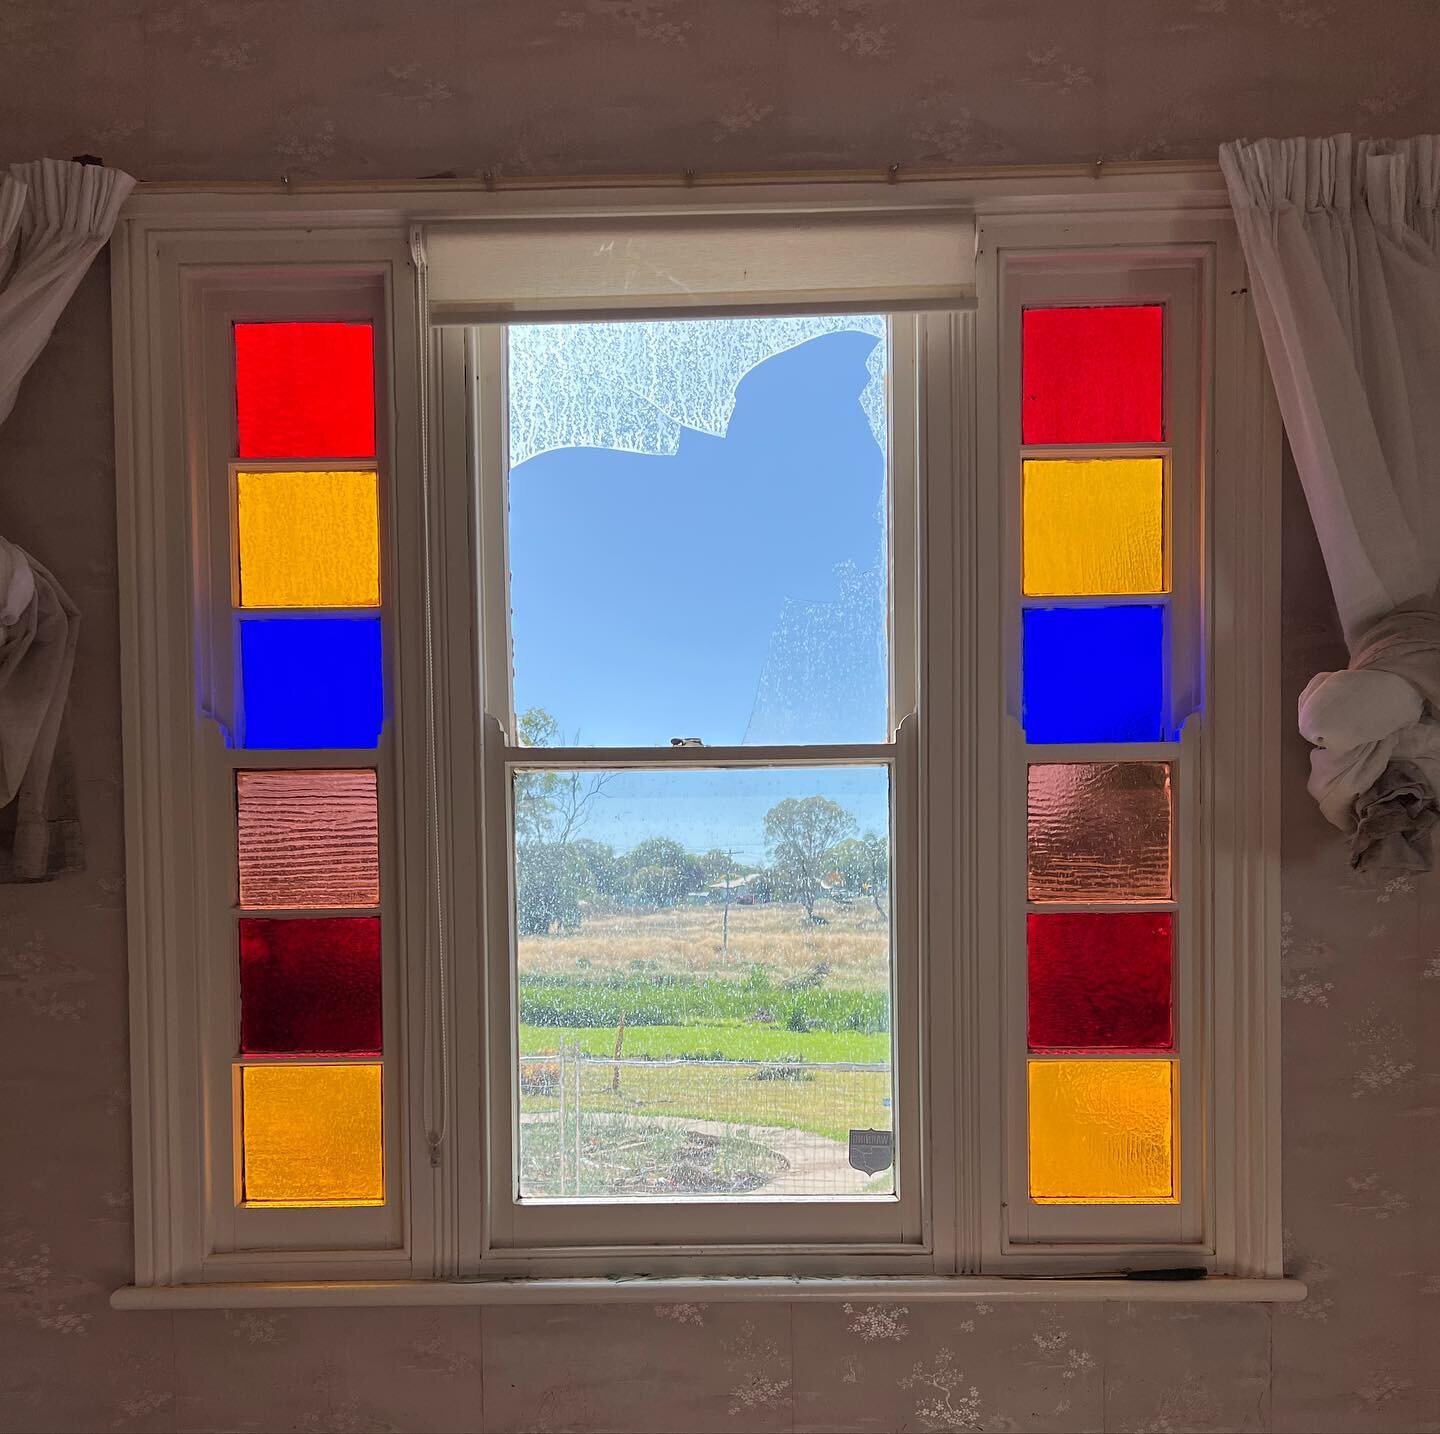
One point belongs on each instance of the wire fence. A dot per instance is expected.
(633, 1128)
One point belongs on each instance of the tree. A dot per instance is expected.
(864, 862)
(801, 833)
(552, 869)
(535, 791)
(547, 889)
(661, 872)
(600, 871)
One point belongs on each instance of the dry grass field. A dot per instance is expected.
(854, 943)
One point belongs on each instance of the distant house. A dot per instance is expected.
(743, 890)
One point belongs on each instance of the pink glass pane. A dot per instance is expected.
(1093, 375)
(305, 390)
(310, 986)
(308, 839)
(1099, 980)
(1099, 831)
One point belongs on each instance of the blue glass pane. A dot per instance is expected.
(311, 682)
(1095, 674)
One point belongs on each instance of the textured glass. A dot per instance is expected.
(1093, 375)
(308, 539)
(308, 839)
(312, 1135)
(310, 986)
(1094, 526)
(697, 529)
(305, 390)
(1099, 831)
(1099, 980)
(1102, 1132)
(1094, 674)
(311, 682)
(703, 982)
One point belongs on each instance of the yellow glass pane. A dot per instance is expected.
(308, 539)
(1094, 525)
(1102, 1132)
(312, 1135)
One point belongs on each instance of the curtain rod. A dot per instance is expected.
(492, 181)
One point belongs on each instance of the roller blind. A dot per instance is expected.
(565, 269)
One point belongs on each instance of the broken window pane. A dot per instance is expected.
(697, 529)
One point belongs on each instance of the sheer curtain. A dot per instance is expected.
(1342, 240)
(54, 218)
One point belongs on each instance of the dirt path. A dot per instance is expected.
(817, 1164)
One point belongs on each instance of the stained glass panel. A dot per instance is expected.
(1094, 674)
(308, 539)
(1094, 526)
(1102, 1132)
(308, 839)
(1099, 831)
(305, 390)
(310, 986)
(312, 1135)
(311, 682)
(1099, 980)
(1093, 375)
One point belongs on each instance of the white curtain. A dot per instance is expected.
(1342, 239)
(54, 218)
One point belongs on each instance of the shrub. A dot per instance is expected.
(539, 1077)
(784, 1068)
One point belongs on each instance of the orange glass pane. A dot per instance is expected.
(312, 1135)
(1102, 1132)
(308, 539)
(1094, 526)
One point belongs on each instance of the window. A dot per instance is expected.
(707, 844)
(684, 744)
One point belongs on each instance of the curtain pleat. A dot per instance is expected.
(1343, 248)
(55, 217)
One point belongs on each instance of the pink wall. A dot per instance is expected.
(254, 88)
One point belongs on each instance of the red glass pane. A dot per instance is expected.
(1099, 980)
(305, 390)
(310, 986)
(1093, 375)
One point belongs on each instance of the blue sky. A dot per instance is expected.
(730, 590)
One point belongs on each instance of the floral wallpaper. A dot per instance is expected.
(232, 89)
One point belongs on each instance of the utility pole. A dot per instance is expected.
(725, 928)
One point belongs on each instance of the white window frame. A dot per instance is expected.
(564, 1234)
(441, 1241)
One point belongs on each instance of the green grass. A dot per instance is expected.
(830, 1103)
(733, 1042)
(648, 999)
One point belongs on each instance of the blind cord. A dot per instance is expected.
(437, 1014)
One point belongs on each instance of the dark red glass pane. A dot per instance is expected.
(310, 986)
(1093, 375)
(305, 390)
(1100, 980)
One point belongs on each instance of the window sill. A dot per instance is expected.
(656, 1290)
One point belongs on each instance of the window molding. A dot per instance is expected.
(172, 236)
(524, 1236)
